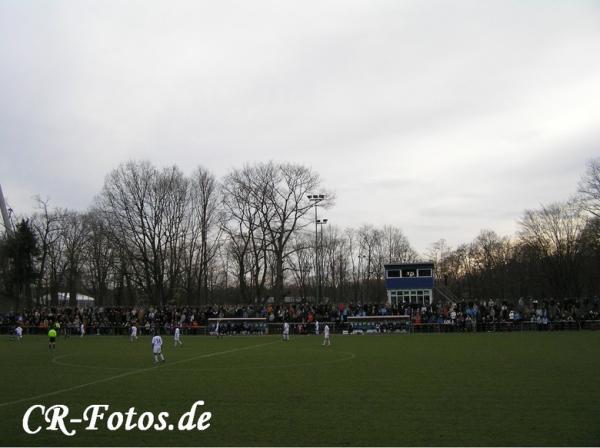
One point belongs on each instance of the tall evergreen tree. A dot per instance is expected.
(19, 250)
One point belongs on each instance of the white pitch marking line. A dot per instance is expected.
(214, 369)
(122, 375)
(56, 361)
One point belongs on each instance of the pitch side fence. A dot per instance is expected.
(354, 326)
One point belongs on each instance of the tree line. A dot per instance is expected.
(555, 254)
(156, 236)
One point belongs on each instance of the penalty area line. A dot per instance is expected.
(134, 372)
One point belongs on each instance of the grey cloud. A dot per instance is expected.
(403, 107)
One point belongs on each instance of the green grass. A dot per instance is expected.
(453, 389)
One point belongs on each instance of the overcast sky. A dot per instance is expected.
(440, 117)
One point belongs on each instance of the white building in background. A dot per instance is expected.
(63, 299)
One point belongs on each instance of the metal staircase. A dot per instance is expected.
(444, 294)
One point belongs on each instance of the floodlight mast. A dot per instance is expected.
(315, 199)
(321, 222)
(5, 216)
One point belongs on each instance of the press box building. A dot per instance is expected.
(409, 283)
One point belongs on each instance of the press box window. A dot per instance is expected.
(424, 272)
(393, 273)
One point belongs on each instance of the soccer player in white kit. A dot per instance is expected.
(326, 340)
(157, 348)
(317, 328)
(133, 335)
(81, 330)
(19, 333)
(286, 331)
(177, 337)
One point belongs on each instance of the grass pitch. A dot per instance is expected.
(445, 389)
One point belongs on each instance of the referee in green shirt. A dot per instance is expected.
(52, 336)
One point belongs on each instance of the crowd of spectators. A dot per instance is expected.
(464, 314)
(483, 315)
(521, 310)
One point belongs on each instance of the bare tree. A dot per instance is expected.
(438, 253)
(369, 239)
(285, 188)
(396, 247)
(354, 256)
(46, 225)
(589, 190)
(301, 263)
(57, 260)
(337, 261)
(491, 254)
(74, 234)
(266, 205)
(589, 187)
(203, 231)
(100, 257)
(555, 231)
(146, 208)
(245, 226)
